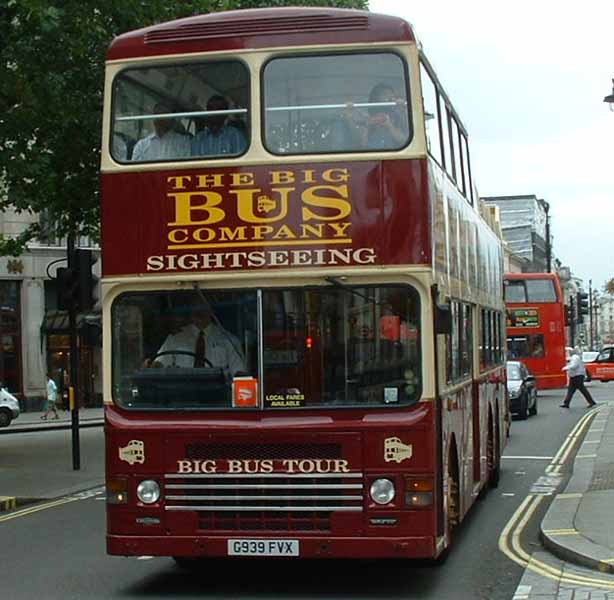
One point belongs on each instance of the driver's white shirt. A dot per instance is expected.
(219, 350)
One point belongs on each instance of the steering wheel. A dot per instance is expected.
(182, 352)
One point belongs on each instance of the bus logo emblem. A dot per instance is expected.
(265, 204)
(133, 452)
(396, 451)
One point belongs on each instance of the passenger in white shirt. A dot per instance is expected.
(219, 348)
(165, 143)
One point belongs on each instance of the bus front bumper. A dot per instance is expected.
(312, 547)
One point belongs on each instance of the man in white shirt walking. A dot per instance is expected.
(165, 143)
(576, 371)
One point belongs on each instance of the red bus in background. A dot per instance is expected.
(536, 325)
(357, 279)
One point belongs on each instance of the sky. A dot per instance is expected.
(528, 80)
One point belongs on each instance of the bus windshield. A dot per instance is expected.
(334, 346)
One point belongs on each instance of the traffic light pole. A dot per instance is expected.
(73, 393)
(590, 313)
(572, 322)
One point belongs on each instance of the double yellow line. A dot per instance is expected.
(509, 540)
(32, 509)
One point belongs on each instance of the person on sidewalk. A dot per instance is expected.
(576, 371)
(52, 394)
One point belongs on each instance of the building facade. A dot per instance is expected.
(34, 334)
(605, 318)
(526, 229)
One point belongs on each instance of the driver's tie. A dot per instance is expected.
(199, 352)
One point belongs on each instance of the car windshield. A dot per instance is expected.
(331, 346)
(513, 372)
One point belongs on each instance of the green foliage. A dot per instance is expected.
(52, 56)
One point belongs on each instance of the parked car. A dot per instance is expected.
(602, 367)
(9, 407)
(521, 390)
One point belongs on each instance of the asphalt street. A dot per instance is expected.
(57, 549)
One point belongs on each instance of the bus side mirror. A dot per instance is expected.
(443, 319)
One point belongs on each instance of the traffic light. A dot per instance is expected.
(85, 260)
(582, 299)
(569, 312)
(77, 284)
(68, 288)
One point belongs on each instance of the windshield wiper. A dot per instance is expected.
(209, 307)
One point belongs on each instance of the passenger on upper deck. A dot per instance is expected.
(217, 137)
(385, 128)
(164, 142)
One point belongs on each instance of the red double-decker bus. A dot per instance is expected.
(536, 325)
(303, 312)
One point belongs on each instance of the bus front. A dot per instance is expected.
(267, 294)
(536, 325)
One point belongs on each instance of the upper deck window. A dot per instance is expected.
(530, 290)
(336, 103)
(178, 112)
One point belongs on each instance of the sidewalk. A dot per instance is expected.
(579, 525)
(36, 464)
(31, 421)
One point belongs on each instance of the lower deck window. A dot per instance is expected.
(297, 348)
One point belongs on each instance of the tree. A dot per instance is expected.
(52, 56)
(609, 286)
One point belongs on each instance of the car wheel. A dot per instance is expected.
(5, 418)
(533, 410)
(588, 377)
(523, 412)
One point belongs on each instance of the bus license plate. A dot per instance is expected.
(263, 548)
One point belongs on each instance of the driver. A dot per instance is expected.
(200, 343)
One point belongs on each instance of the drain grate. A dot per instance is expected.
(603, 478)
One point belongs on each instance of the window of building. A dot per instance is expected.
(10, 336)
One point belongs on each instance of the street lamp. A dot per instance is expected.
(610, 99)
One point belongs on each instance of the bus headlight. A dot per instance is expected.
(148, 491)
(382, 491)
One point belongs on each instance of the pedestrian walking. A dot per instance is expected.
(52, 394)
(576, 371)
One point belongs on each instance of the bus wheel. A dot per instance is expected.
(494, 464)
(453, 497)
(187, 563)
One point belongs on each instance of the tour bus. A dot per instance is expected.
(536, 325)
(297, 181)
